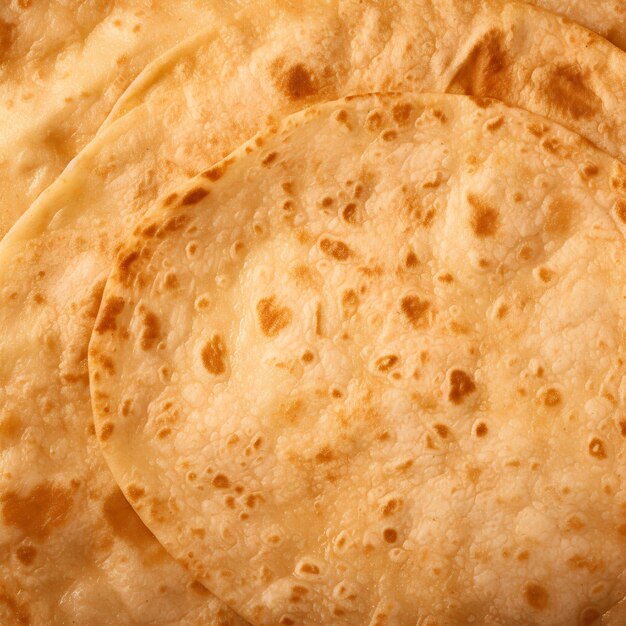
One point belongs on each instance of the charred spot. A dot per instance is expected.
(414, 309)
(296, 83)
(536, 596)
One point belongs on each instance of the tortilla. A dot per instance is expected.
(607, 18)
(64, 64)
(57, 256)
(370, 369)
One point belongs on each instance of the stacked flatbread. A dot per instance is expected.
(314, 313)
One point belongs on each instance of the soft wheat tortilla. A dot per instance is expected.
(63, 65)
(605, 17)
(370, 369)
(73, 230)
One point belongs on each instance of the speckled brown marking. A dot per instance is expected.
(387, 362)
(296, 83)
(620, 210)
(568, 92)
(38, 513)
(220, 481)
(597, 449)
(485, 71)
(214, 356)
(336, 249)
(214, 173)
(124, 266)
(123, 520)
(194, 196)
(414, 309)
(461, 385)
(269, 159)
(26, 554)
(349, 303)
(373, 121)
(495, 124)
(402, 113)
(151, 330)
(7, 36)
(551, 397)
(135, 492)
(112, 308)
(272, 318)
(484, 218)
(536, 596)
(106, 431)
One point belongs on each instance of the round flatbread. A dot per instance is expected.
(370, 369)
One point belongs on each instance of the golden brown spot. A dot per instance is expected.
(325, 455)
(214, 173)
(385, 363)
(433, 180)
(461, 385)
(171, 281)
(389, 135)
(580, 562)
(349, 303)
(503, 309)
(327, 202)
(574, 524)
(151, 330)
(194, 196)
(309, 568)
(199, 588)
(220, 481)
(485, 71)
(621, 425)
(402, 113)
(307, 356)
(536, 596)
(567, 91)
(414, 308)
(390, 535)
(349, 213)
(411, 260)
(7, 35)
(473, 473)
(336, 249)
(391, 507)
(481, 429)
(538, 129)
(19, 612)
(269, 159)
(296, 83)
(545, 274)
(551, 397)
(558, 216)
(125, 523)
(373, 121)
(135, 492)
(26, 554)
(213, 356)
(484, 218)
(442, 430)
(10, 427)
(164, 432)
(589, 616)
(589, 171)
(494, 124)
(124, 267)
(620, 209)
(318, 319)
(596, 448)
(106, 431)
(39, 512)
(622, 530)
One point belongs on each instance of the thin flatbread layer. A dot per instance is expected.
(284, 57)
(63, 65)
(55, 259)
(607, 18)
(371, 369)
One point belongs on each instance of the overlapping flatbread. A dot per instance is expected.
(269, 63)
(370, 369)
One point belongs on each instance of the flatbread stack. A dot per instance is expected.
(313, 313)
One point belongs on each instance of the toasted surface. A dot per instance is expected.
(370, 369)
